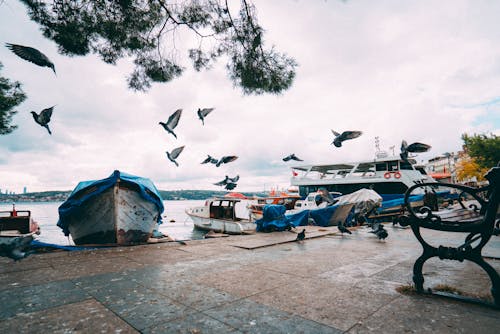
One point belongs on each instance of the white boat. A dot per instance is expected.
(314, 200)
(122, 209)
(390, 177)
(219, 215)
(17, 231)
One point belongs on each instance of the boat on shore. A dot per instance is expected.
(121, 209)
(256, 205)
(218, 214)
(17, 231)
(390, 177)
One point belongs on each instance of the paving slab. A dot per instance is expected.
(326, 284)
(87, 316)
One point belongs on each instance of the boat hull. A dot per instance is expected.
(227, 226)
(118, 215)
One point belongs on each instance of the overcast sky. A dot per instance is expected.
(424, 71)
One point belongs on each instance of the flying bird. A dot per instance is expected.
(32, 55)
(44, 117)
(202, 113)
(223, 182)
(234, 179)
(301, 235)
(227, 180)
(340, 137)
(412, 148)
(230, 186)
(209, 159)
(226, 159)
(342, 228)
(172, 122)
(174, 154)
(292, 157)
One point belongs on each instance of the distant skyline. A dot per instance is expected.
(424, 71)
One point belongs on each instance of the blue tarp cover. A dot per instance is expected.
(72, 203)
(274, 219)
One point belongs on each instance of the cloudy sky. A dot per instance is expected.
(424, 71)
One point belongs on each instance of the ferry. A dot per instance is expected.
(389, 176)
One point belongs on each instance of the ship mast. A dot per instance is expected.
(378, 152)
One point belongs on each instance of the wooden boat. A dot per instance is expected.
(122, 209)
(219, 215)
(17, 230)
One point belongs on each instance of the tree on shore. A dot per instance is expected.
(482, 152)
(484, 149)
(11, 95)
(147, 31)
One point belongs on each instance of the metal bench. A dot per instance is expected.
(477, 221)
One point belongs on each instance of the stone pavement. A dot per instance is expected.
(326, 284)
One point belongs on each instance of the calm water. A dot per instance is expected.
(46, 214)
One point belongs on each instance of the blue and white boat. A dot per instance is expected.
(390, 177)
(121, 209)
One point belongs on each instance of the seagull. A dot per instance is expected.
(32, 55)
(209, 159)
(301, 235)
(230, 186)
(340, 137)
(412, 148)
(292, 157)
(172, 122)
(226, 159)
(202, 113)
(44, 117)
(342, 228)
(174, 154)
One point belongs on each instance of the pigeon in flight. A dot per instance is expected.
(340, 137)
(44, 117)
(228, 180)
(234, 179)
(412, 148)
(230, 186)
(172, 122)
(223, 182)
(292, 157)
(209, 159)
(202, 113)
(226, 159)
(174, 154)
(32, 55)
(343, 229)
(301, 235)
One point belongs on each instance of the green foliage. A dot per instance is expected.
(484, 149)
(11, 95)
(146, 29)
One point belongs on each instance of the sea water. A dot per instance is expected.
(176, 223)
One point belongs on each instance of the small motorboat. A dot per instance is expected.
(219, 215)
(17, 231)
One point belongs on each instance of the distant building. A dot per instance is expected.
(24, 190)
(442, 168)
